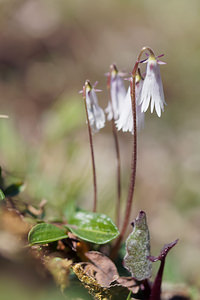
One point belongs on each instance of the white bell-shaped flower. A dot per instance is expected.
(152, 90)
(96, 114)
(117, 94)
(125, 121)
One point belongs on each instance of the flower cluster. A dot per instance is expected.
(148, 92)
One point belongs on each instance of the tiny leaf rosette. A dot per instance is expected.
(44, 233)
(93, 227)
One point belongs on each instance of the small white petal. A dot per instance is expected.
(118, 93)
(145, 103)
(158, 108)
(109, 112)
(152, 105)
(125, 121)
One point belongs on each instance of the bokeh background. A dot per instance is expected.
(47, 50)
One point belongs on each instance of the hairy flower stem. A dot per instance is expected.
(133, 160)
(92, 154)
(133, 169)
(116, 141)
(118, 174)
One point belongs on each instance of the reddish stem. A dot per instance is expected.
(134, 158)
(118, 174)
(116, 141)
(92, 154)
(133, 169)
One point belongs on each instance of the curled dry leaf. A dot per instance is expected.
(128, 282)
(106, 270)
(95, 289)
(89, 282)
(101, 278)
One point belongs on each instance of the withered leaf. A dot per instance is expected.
(106, 270)
(101, 278)
(128, 282)
(98, 291)
(90, 283)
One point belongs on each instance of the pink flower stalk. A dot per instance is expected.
(125, 121)
(152, 90)
(117, 94)
(96, 114)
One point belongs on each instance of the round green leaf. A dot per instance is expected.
(44, 233)
(93, 227)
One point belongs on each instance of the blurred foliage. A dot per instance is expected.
(47, 168)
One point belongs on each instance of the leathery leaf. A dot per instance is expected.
(44, 233)
(93, 227)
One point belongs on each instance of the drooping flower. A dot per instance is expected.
(152, 90)
(96, 114)
(125, 121)
(117, 93)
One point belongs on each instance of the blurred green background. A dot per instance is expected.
(47, 50)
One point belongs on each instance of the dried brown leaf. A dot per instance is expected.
(129, 283)
(105, 270)
(98, 291)
(101, 278)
